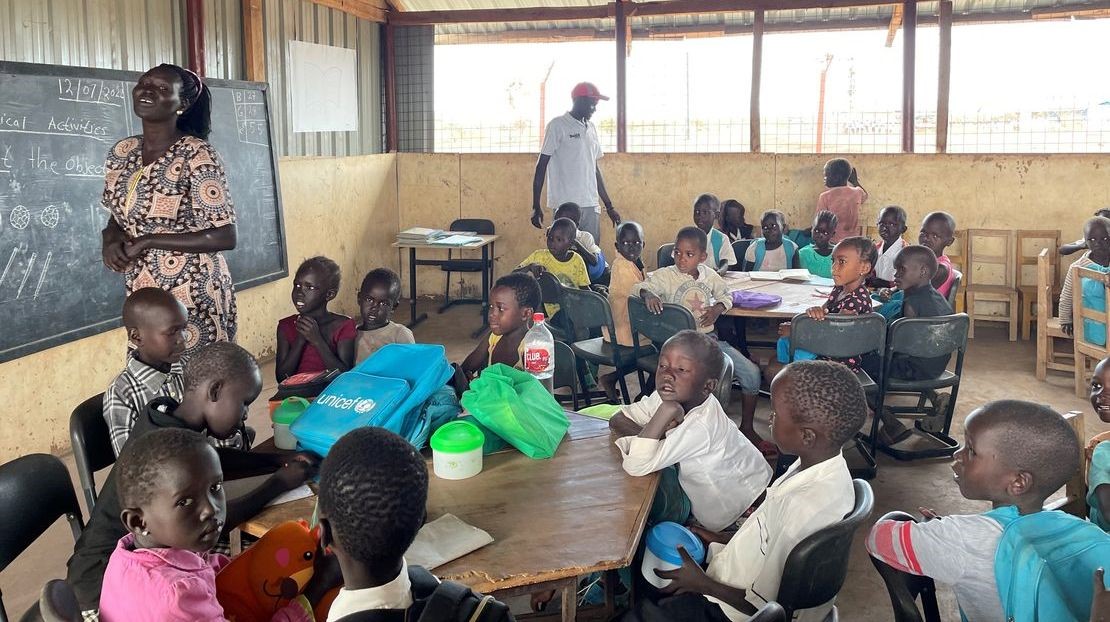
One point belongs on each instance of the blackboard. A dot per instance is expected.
(56, 126)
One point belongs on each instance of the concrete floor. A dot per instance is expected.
(995, 369)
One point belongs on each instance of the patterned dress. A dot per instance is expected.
(855, 302)
(183, 191)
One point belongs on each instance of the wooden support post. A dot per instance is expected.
(194, 23)
(944, 73)
(622, 91)
(254, 46)
(390, 90)
(757, 70)
(909, 44)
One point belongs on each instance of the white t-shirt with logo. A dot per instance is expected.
(572, 171)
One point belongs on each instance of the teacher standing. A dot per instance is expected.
(171, 212)
(571, 150)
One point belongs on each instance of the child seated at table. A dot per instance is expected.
(513, 299)
(732, 221)
(315, 339)
(377, 299)
(221, 381)
(625, 274)
(719, 472)
(584, 244)
(1098, 449)
(938, 231)
(817, 257)
(773, 251)
(891, 224)
(707, 211)
(373, 501)
(174, 510)
(692, 284)
(1097, 232)
(558, 260)
(817, 406)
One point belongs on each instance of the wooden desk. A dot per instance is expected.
(486, 244)
(796, 298)
(551, 520)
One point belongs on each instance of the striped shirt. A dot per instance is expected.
(1068, 287)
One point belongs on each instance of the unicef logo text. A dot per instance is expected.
(359, 405)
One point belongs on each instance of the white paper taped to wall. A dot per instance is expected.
(323, 85)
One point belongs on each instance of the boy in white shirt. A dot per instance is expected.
(682, 423)
(584, 243)
(817, 407)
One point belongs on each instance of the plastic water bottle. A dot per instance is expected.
(539, 352)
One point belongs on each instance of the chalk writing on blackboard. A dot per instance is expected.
(250, 117)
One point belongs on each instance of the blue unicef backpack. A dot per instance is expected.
(1045, 563)
(397, 388)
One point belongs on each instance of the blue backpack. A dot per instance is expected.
(398, 388)
(1044, 564)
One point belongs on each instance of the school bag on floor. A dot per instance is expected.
(1045, 563)
(388, 390)
(438, 602)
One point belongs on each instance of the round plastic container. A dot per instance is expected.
(457, 450)
(284, 415)
(662, 551)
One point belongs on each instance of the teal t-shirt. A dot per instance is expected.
(815, 262)
(1097, 475)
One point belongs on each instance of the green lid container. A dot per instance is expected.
(457, 437)
(289, 410)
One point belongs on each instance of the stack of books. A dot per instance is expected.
(420, 234)
(424, 235)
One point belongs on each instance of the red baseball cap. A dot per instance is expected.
(587, 89)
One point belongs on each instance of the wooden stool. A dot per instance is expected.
(1048, 325)
(978, 291)
(1029, 244)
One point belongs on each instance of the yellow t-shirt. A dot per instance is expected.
(494, 340)
(570, 273)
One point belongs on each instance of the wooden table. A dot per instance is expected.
(796, 297)
(485, 244)
(552, 520)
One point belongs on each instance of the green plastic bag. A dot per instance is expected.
(516, 407)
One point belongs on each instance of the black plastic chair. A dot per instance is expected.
(665, 255)
(566, 372)
(770, 612)
(57, 603)
(905, 589)
(740, 248)
(924, 338)
(840, 337)
(479, 226)
(815, 570)
(588, 313)
(35, 490)
(954, 291)
(92, 444)
(551, 291)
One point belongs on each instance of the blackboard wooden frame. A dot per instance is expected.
(131, 77)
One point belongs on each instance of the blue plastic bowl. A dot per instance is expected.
(664, 539)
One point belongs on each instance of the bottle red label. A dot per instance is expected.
(536, 360)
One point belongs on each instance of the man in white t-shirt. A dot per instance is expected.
(571, 150)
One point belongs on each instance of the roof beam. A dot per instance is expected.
(895, 24)
(363, 9)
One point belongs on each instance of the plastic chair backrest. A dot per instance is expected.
(480, 226)
(770, 612)
(566, 373)
(740, 248)
(954, 291)
(838, 336)
(658, 328)
(551, 291)
(815, 570)
(92, 443)
(587, 309)
(928, 337)
(35, 490)
(665, 255)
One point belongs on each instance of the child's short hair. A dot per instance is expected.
(920, 254)
(864, 246)
(222, 360)
(324, 266)
(1104, 212)
(142, 299)
(144, 459)
(708, 199)
(899, 213)
(373, 491)
(382, 276)
(525, 288)
(563, 223)
(1034, 438)
(947, 218)
(825, 216)
(693, 234)
(837, 171)
(1096, 220)
(701, 348)
(630, 224)
(777, 215)
(567, 209)
(730, 203)
(827, 394)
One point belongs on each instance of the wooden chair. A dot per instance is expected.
(1074, 500)
(1085, 344)
(957, 253)
(1038, 240)
(978, 291)
(1048, 325)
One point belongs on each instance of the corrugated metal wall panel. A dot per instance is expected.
(300, 20)
(223, 39)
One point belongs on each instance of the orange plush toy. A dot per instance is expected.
(273, 571)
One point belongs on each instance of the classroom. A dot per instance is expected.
(787, 193)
